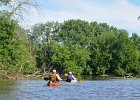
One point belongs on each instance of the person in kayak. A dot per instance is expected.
(54, 77)
(70, 77)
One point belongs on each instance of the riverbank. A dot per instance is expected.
(15, 76)
(44, 76)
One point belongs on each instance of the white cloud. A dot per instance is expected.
(120, 14)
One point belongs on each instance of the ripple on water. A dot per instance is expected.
(87, 90)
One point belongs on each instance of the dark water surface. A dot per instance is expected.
(112, 89)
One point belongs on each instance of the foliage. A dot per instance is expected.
(4, 2)
(74, 45)
(14, 52)
(86, 48)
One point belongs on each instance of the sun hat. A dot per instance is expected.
(70, 72)
(54, 71)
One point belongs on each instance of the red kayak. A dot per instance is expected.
(53, 84)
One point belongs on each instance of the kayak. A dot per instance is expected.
(73, 81)
(53, 84)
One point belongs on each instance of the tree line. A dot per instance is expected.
(83, 47)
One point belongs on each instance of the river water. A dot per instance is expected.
(110, 89)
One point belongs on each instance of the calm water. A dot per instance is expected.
(112, 89)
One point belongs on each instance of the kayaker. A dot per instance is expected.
(54, 77)
(70, 77)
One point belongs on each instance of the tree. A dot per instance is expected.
(15, 56)
(4, 2)
(42, 36)
(74, 34)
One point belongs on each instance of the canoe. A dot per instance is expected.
(53, 84)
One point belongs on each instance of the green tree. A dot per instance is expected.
(15, 57)
(74, 34)
(41, 36)
(14, 54)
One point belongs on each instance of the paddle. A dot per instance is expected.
(46, 78)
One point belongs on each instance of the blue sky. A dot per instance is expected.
(122, 14)
(135, 2)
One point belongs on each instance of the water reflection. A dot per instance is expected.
(6, 86)
(112, 89)
(90, 77)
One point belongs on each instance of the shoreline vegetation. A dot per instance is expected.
(41, 76)
(14, 76)
(79, 46)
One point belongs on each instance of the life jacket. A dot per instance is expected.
(69, 78)
(53, 77)
(66, 74)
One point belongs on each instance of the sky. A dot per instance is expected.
(122, 14)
